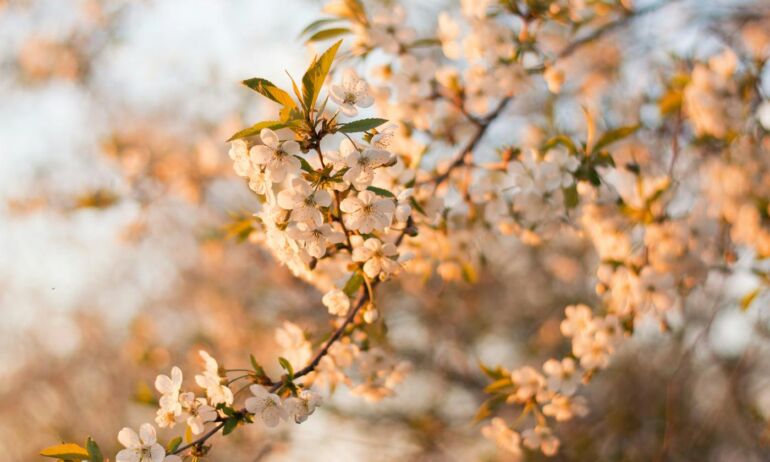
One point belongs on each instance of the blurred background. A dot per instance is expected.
(117, 261)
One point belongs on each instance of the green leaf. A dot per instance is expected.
(560, 140)
(317, 25)
(381, 192)
(353, 284)
(425, 42)
(173, 444)
(749, 298)
(615, 135)
(256, 128)
(315, 75)
(499, 384)
(270, 91)
(488, 407)
(361, 125)
(571, 196)
(66, 451)
(327, 34)
(286, 365)
(94, 453)
(256, 366)
(230, 424)
(305, 165)
(496, 373)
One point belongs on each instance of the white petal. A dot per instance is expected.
(157, 453)
(347, 148)
(322, 198)
(127, 455)
(147, 434)
(129, 438)
(350, 205)
(260, 154)
(269, 138)
(291, 147)
(163, 384)
(372, 268)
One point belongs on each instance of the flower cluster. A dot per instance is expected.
(345, 204)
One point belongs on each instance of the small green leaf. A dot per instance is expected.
(256, 128)
(315, 75)
(425, 42)
(66, 451)
(230, 424)
(749, 298)
(361, 125)
(270, 91)
(571, 196)
(305, 165)
(416, 205)
(560, 140)
(496, 373)
(499, 384)
(317, 24)
(381, 192)
(173, 444)
(94, 453)
(487, 407)
(353, 284)
(256, 366)
(327, 34)
(286, 365)
(614, 135)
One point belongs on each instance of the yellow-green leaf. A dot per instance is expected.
(256, 128)
(327, 34)
(361, 125)
(614, 135)
(749, 298)
(270, 91)
(315, 75)
(66, 451)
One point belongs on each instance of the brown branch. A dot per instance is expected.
(610, 26)
(459, 159)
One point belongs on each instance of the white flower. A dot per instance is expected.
(198, 412)
(143, 447)
(377, 257)
(169, 386)
(447, 33)
(361, 164)
(258, 182)
(337, 302)
(315, 238)
(296, 349)
(277, 157)
(265, 404)
(541, 437)
(303, 405)
(475, 8)
(578, 318)
(562, 407)
(414, 77)
(503, 436)
(562, 375)
(351, 92)
(304, 201)
(212, 382)
(170, 409)
(388, 31)
(239, 153)
(367, 212)
(529, 384)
